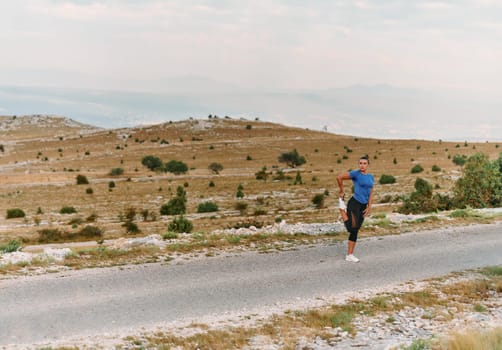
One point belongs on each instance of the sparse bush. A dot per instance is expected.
(387, 179)
(262, 174)
(169, 235)
(211, 183)
(417, 169)
(215, 167)
(90, 231)
(67, 210)
(15, 213)
(180, 225)
(82, 180)
(207, 207)
(116, 172)
(111, 184)
(89, 190)
(241, 207)
(259, 211)
(318, 200)
(423, 200)
(131, 227)
(292, 159)
(92, 218)
(50, 235)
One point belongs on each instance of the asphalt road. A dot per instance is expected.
(82, 303)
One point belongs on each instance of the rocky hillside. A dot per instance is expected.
(40, 126)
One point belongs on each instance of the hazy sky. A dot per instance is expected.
(254, 46)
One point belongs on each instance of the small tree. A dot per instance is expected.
(298, 179)
(292, 159)
(176, 167)
(481, 183)
(151, 162)
(215, 167)
(240, 193)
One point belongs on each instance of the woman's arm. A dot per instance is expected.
(339, 180)
(368, 207)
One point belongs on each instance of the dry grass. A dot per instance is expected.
(285, 330)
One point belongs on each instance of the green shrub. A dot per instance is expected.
(417, 169)
(180, 225)
(481, 184)
(151, 162)
(207, 207)
(459, 159)
(387, 179)
(111, 184)
(89, 190)
(423, 200)
(116, 172)
(211, 183)
(82, 180)
(12, 246)
(176, 205)
(436, 168)
(176, 167)
(15, 213)
(298, 179)
(67, 210)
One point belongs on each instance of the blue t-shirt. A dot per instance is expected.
(363, 183)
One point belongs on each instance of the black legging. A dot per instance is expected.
(355, 213)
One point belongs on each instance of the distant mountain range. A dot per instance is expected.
(374, 111)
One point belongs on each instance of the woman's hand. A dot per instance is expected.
(366, 211)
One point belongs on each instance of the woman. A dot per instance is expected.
(359, 204)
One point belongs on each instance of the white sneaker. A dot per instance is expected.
(341, 204)
(351, 258)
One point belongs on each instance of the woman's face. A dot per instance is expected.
(363, 165)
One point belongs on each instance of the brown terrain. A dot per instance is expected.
(42, 156)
